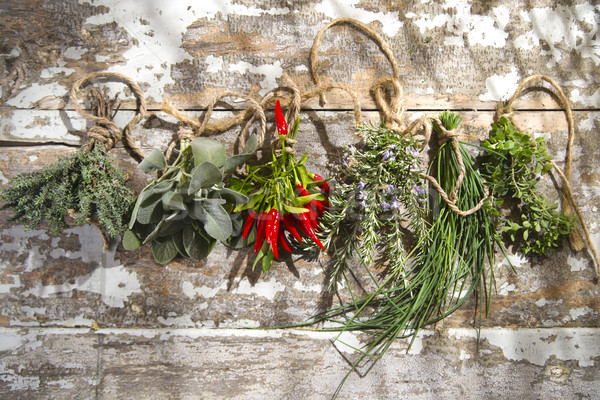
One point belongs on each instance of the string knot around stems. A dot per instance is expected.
(104, 129)
(392, 109)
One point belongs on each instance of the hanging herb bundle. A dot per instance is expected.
(85, 185)
(450, 261)
(188, 208)
(283, 196)
(379, 205)
(513, 164)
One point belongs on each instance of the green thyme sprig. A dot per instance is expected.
(87, 183)
(512, 166)
(188, 208)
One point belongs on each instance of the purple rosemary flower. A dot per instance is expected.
(414, 152)
(390, 189)
(385, 206)
(361, 185)
(386, 154)
(395, 204)
(361, 195)
(419, 191)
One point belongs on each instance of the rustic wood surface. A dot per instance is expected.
(77, 322)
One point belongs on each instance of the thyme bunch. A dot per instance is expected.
(84, 184)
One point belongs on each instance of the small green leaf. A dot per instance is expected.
(173, 201)
(294, 210)
(233, 196)
(155, 161)
(130, 240)
(150, 213)
(208, 150)
(196, 245)
(217, 222)
(204, 176)
(164, 250)
(155, 231)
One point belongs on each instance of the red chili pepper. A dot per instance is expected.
(324, 185)
(289, 225)
(319, 207)
(249, 221)
(280, 120)
(306, 227)
(260, 231)
(284, 242)
(312, 215)
(273, 230)
(301, 190)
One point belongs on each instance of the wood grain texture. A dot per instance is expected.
(77, 322)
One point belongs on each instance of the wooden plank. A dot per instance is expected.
(242, 364)
(459, 55)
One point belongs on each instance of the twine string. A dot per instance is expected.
(105, 130)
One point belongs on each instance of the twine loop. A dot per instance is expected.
(393, 111)
(105, 130)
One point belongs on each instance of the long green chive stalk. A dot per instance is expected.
(446, 266)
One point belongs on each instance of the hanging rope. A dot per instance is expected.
(204, 128)
(105, 130)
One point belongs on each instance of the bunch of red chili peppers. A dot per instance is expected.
(283, 196)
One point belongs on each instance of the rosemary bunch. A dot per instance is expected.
(84, 184)
(449, 263)
(379, 206)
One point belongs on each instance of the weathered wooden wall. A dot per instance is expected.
(79, 323)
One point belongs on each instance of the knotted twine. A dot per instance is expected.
(393, 111)
(196, 127)
(568, 203)
(105, 130)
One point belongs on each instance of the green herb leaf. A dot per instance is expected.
(155, 161)
(130, 240)
(164, 250)
(204, 176)
(173, 201)
(208, 150)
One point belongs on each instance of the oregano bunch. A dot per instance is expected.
(188, 208)
(379, 204)
(85, 185)
(512, 165)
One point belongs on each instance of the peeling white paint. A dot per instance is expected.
(390, 21)
(32, 159)
(538, 345)
(61, 383)
(16, 381)
(557, 27)
(501, 87)
(114, 285)
(27, 98)
(576, 264)
(589, 123)
(267, 289)
(10, 340)
(47, 125)
(6, 287)
(3, 179)
(308, 288)
(580, 312)
(203, 291)
(182, 321)
(74, 53)
(52, 72)
(159, 33)
(507, 288)
(516, 260)
(417, 345)
(590, 101)
(215, 64)
(271, 72)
